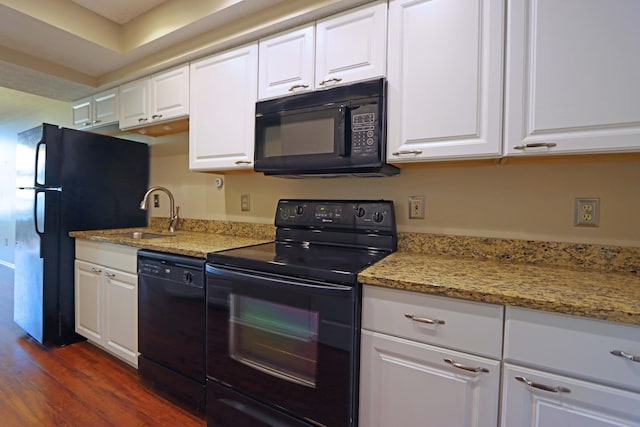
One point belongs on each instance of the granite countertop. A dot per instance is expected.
(613, 296)
(568, 289)
(190, 243)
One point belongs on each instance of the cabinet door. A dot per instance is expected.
(105, 107)
(82, 113)
(553, 400)
(134, 104)
(88, 300)
(121, 314)
(406, 383)
(444, 79)
(286, 63)
(169, 93)
(351, 46)
(222, 118)
(572, 77)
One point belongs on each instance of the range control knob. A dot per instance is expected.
(299, 209)
(378, 216)
(187, 277)
(359, 212)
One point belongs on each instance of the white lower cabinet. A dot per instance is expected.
(569, 371)
(407, 380)
(541, 399)
(408, 383)
(106, 297)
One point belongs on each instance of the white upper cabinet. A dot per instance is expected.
(222, 120)
(341, 49)
(97, 110)
(161, 97)
(286, 63)
(572, 74)
(351, 46)
(444, 80)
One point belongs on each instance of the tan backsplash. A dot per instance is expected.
(573, 255)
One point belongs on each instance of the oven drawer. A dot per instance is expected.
(467, 326)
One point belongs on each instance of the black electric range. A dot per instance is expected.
(283, 318)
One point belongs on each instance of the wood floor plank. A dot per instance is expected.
(75, 385)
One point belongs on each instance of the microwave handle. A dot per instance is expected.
(344, 111)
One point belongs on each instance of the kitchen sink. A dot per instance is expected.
(144, 235)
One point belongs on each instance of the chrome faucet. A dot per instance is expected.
(173, 215)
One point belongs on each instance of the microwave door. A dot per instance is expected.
(302, 140)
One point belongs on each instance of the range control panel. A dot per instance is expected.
(346, 215)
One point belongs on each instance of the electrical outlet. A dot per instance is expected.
(416, 207)
(156, 201)
(586, 213)
(245, 203)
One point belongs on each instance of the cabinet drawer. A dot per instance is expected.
(468, 326)
(114, 256)
(575, 346)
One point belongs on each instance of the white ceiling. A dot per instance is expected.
(69, 49)
(120, 11)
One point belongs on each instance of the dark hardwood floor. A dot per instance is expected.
(76, 385)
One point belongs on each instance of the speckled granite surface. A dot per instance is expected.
(190, 243)
(604, 295)
(597, 281)
(580, 255)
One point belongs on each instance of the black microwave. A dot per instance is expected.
(331, 132)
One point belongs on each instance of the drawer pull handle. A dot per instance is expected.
(332, 79)
(535, 145)
(627, 356)
(424, 319)
(465, 368)
(401, 152)
(106, 273)
(243, 162)
(299, 86)
(95, 270)
(539, 386)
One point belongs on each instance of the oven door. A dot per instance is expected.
(285, 342)
(302, 140)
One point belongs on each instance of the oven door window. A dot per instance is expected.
(274, 338)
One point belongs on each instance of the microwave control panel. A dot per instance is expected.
(364, 130)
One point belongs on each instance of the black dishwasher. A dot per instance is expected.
(171, 327)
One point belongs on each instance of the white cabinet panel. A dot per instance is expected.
(341, 49)
(572, 77)
(121, 313)
(97, 110)
(286, 63)
(406, 383)
(222, 122)
(87, 300)
(444, 79)
(169, 94)
(553, 400)
(106, 298)
(161, 97)
(351, 46)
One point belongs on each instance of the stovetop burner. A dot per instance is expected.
(320, 240)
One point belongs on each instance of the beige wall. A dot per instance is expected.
(510, 201)
(533, 202)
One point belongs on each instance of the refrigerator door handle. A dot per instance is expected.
(40, 163)
(39, 214)
(37, 217)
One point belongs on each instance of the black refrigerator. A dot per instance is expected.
(67, 180)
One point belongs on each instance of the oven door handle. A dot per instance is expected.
(230, 274)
